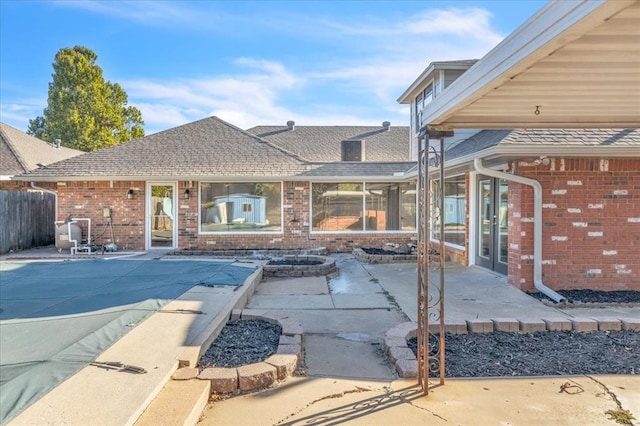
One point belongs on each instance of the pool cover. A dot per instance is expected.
(56, 317)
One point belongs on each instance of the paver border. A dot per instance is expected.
(253, 377)
(327, 267)
(406, 365)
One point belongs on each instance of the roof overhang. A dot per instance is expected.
(429, 74)
(575, 62)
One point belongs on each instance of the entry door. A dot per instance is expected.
(493, 242)
(161, 202)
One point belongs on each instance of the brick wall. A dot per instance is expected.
(296, 234)
(591, 224)
(87, 199)
(14, 185)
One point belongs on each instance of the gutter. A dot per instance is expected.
(537, 225)
(55, 195)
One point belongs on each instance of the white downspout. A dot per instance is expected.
(55, 196)
(537, 224)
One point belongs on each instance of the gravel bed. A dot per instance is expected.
(594, 296)
(546, 353)
(378, 251)
(242, 342)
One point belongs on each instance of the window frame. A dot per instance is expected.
(364, 209)
(432, 196)
(279, 232)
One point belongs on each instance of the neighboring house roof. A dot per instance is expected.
(20, 152)
(323, 143)
(209, 147)
(550, 141)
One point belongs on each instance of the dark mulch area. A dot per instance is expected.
(389, 252)
(595, 296)
(295, 262)
(241, 343)
(540, 354)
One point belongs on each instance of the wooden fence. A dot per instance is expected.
(26, 220)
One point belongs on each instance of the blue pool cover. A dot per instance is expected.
(58, 316)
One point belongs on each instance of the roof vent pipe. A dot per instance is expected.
(291, 124)
(537, 224)
(386, 125)
(57, 143)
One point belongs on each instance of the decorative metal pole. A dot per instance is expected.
(431, 321)
(423, 264)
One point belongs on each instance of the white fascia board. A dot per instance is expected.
(426, 76)
(539, 36)
(408, 95)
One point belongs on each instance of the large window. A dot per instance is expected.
(363, 207)
(454, 210)
(241, 207)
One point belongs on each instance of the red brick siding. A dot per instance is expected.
(591, 224)
(87, 199)
(14, 185)
(296, 234)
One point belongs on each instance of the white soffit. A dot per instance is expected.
(578, 62)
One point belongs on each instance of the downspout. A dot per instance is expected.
(537, 224)
(55, 195)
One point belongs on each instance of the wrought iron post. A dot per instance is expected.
(431, 327)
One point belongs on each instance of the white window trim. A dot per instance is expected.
(364, 205)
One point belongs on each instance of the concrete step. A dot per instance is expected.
(181, 402)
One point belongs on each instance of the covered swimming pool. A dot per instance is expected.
(56, 317)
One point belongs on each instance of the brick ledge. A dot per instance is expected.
(406, 364)
(253, 377)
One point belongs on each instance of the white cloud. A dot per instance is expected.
(157, 13)
(373, 60)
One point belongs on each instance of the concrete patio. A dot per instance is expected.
(348, 379)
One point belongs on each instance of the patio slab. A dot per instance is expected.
(302, 285)
(296, 301)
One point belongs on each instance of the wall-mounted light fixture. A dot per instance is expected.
(187, 194)
(130, 193)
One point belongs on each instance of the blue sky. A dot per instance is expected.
(249, 63)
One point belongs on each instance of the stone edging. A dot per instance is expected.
(261, 375)
(327, 267)
(406, 364)
(360, 255)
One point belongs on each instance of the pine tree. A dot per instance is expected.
(83, 110)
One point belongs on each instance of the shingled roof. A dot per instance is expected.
(359, 169)
(206, 148)
(323, 143)
(606, 141)
(20, 152)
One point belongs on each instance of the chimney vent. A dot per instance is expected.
(291, 124)
(386, 125)
(352, 150)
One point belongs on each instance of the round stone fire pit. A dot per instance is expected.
(299, 266)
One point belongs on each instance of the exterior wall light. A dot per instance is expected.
(187, 193)
(130, 193)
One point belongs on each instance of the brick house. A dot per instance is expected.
(209, 185)
(550, 191)
(20, 153)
